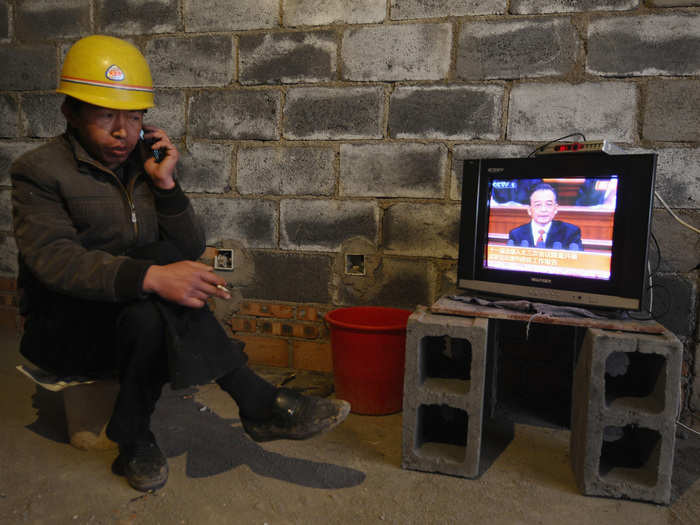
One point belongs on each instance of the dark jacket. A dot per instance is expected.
(75, 223)
(562, 235)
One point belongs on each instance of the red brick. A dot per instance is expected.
(309, 355)
(307, 313)
(7, 284)
(281, 311)
(266, 350)
(241, 324)
(306, 331)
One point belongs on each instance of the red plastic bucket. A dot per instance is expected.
(368, 344)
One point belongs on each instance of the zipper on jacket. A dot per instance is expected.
(127, 192)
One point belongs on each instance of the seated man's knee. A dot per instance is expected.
(140, 315)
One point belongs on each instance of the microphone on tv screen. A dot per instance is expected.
(574, 246)
(556, 245)
(524, 243)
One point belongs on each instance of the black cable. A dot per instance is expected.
(540, 148)
(658, 255)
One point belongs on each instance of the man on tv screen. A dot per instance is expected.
(543, 231)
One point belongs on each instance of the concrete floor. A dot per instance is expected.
(350, 475)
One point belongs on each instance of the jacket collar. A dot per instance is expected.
(84, 159)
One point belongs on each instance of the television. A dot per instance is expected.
(570, 228)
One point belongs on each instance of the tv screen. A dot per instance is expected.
(569, 228)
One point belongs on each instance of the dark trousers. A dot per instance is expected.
(145, 343)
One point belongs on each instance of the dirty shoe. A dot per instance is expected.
(143, 464)
(295, 416)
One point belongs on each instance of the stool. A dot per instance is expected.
(88, 405)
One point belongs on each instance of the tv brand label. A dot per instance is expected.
(496, 170)
(540, 280)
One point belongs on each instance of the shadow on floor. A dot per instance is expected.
(213, 444)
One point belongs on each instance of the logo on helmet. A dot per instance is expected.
(115, 73)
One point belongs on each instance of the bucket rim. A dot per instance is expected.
(368, 328)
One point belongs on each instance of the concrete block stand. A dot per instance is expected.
(625, 400)
(443, 400)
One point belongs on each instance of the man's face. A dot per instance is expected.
(109, 135)
(543, 206)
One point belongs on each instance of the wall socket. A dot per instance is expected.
(354, 264)
(223, 260)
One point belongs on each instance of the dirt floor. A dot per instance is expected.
(350, 475)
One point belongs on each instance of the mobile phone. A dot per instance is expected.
(158, 154)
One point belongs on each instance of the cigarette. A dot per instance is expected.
(221, 287)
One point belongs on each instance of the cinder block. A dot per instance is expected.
(9, 111)
(675, 307)
(252, 222)
(428, 230)
(322, 12)
(28, 67)
(9, 151)
(45, 20)
(290, 276)
(221, 15)
(235, 114)
(285, 171)
(8, 256)
(673, 3)
(334, 113)
(5, 210)
(644, 45)
(4, 20)
(625, 399)
(411, 9)
(275, 58)
(443, 403)
(672, 110)
(169, 112)
(516, 49)
(393, 170)
(597, 109)
(677, 176)
(528, 7)
(675, 259)
(398, 52)
(205, 167)
(457, 112)
(323, 225)
(400, 282)
(40, 115)
(196, 61)
(480, 151)
(134, 17)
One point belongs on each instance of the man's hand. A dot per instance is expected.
(162, 173)
(187, 283)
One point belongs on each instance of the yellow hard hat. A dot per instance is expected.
(107, 72)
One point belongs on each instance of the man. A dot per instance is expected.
(107, 243)
(543, 231)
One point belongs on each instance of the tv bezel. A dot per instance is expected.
(632, 224)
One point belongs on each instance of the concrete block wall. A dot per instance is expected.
(311, 129)
(625, 403)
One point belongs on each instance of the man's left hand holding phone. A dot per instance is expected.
(160, 165)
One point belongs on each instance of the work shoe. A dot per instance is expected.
(295, 416)
(143, 464)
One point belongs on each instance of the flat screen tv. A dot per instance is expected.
(568, 229)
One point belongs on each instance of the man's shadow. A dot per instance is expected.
(213, 444)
